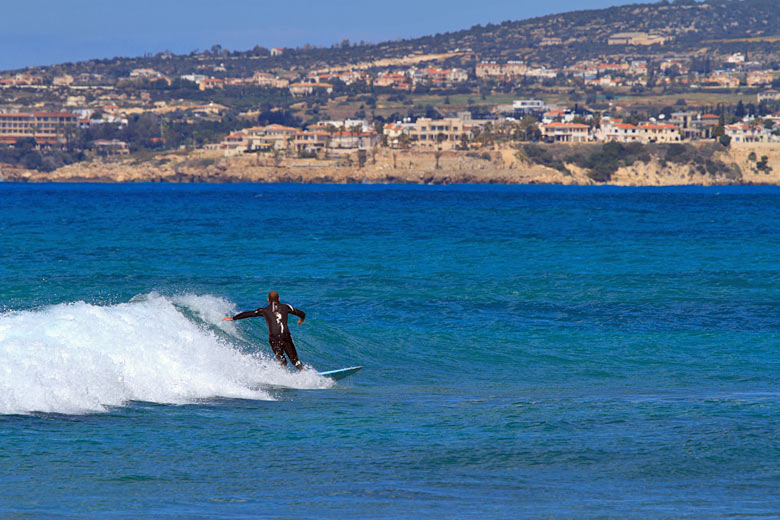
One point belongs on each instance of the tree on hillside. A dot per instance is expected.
(739, 112)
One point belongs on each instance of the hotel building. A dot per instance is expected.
(44, 127)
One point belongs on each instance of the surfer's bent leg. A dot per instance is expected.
(289, 348)
(276, 345)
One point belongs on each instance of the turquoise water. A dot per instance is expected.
(530, 352)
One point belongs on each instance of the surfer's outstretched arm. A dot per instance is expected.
(240, 316)
(297, 312)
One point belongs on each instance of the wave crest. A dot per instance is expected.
(79, 358)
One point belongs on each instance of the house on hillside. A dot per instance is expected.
(307, 89)
(619, 132)
(271, 137)
(108, 147)
(558, 116)
(235, 144)
(208, 110)
(395, 131)
(736, 58)
(65, 80)
(146, 74)
(444, 134)
(769, 95)
(659, 133)
(759, 78)
(311, 141)
(549, 41)
(745, 133)
(723, 80)
(21, 80)
(354, 140)
(693, 125)
(636, 38)
(528, 107)
(194, 78)
(566, 132)
(211, 83)
(488, 69)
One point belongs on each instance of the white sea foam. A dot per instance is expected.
(81, 358)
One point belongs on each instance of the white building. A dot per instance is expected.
(737, 57)
(742, 133)
(528, 106)
(195, 78)
(566, 132)
(619, 132)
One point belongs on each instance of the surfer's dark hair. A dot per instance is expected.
(273, 296)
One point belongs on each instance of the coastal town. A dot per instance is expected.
(432, 105)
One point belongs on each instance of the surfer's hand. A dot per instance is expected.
(227, 319)
(300, 321)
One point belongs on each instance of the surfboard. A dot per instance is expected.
(340, 373)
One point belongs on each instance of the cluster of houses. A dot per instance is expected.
(21, 80)
(559, 127)
(342, 137)
(459, 131)
(737, 70)
(410, 78)
(753, 131)
(635, 72)
(335, 136)
(511, 70)
(314, 82)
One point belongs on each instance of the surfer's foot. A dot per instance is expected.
(299, 365)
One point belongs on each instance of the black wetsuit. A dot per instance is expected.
(279, 337)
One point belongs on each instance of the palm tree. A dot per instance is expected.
(440, 138)
(405, 142)
(277, 157)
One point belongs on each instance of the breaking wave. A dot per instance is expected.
(80, 358)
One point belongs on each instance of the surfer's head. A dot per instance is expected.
(273, 296)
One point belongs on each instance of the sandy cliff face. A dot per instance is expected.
(386, 167)
(741, 155)
(656, 173)
(497, 166)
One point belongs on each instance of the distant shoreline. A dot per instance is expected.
(735, 166)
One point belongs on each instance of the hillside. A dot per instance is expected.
(688, 25)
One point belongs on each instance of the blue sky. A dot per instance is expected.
(43, 32)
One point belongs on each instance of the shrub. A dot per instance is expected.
(541, 155)
(763, 164)
(677, 153)
(605, 162)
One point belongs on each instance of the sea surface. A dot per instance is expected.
(529, 352)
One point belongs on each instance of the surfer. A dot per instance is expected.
(279, 337)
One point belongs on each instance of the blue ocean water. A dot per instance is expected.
(529, 352)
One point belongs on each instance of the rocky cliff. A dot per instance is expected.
(756, 164)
